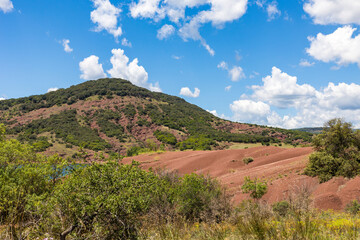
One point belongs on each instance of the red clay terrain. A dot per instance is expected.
(281, 167)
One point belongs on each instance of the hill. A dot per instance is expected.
(314, 130)
(115, 116)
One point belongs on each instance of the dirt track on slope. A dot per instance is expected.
(282, 168)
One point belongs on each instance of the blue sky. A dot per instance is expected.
(281, 63)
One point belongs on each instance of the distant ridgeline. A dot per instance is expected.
(116, 116)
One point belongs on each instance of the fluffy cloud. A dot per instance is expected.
(282, 90)
(123, 68)
(340, 46)
(126, 43)
(67, 48)
(165, 32)
(2, 99)
(342, 96)
(312, 107)
(220, 12)
(236, 73)
(106, 17)
(333, 11)
(6, 6)
(223, 65)
(306, 63)
(91, 69)
(250, 111)
(213, 112)
(185, 91)
(272, 11)
(52, 90)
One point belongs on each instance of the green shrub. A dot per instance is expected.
(133, 151)
(281, 208)
(337, 152)
(256, 187)
(165, 137)
(248, 160)
(353, 207)
(196, 143)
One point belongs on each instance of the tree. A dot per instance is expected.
(337, 152)
(256, 187)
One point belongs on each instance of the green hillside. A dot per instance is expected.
(114, 115)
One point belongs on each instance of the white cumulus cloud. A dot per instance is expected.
(106, 17)
(236, 73)
(132, 71)
(272, 11)
(185, 91)
(91, 69)
(223, 65)
(219, 13)
(165, 31)
(281, 90)
(310, 107)
(333, 11)
(339, 47)
(306, 63)
(126, 43)
(2, 99)
(245, 110)
(6, 6)
(52, 90)
(65, 43)
(213, 112)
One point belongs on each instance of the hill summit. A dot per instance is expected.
(115, 116)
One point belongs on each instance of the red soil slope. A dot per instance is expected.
(281, 167)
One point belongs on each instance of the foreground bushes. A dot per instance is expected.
(337, 152)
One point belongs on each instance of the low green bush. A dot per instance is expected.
(248, 160)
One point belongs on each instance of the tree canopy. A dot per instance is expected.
(337, 151)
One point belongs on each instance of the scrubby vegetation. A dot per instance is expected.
(123, 111)
(337, 152)
(55, 198)
(165, 137)
(248, 160)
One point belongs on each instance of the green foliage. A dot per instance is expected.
(2, 132)
(66, 127)
(337, 152)
(248, 160)
(41, 144)
(165, 137)
(353, 207)
(196, 194)
(129, 111)
(196, 143)
(142, 122)
(282, 208)
(133, 151)
(256, 187)
(104, 199)
(159, 109)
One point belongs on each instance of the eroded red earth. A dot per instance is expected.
(282, 168)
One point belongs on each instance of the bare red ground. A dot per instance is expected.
(282, 168)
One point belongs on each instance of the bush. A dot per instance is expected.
(337, 152)
(165, 137)
(353, 207)
(281, 208)
(256, 187)
(133, 151)
(248, 160)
